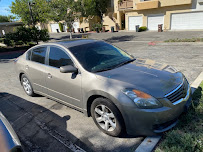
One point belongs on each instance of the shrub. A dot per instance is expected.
(97, 25)
(25, 35)
(1, 40)
(8, 39)
(142, 28)
(61, 26)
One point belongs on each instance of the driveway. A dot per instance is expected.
(44, 125)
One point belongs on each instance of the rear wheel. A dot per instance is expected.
(107, 117)
(27, 85)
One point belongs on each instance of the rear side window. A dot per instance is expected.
(38, 55)
(58, 58)
(29, 55)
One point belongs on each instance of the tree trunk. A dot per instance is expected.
(70, 35)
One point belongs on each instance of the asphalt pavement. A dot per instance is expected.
(45, 125)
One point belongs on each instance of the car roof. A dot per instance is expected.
(72, 43)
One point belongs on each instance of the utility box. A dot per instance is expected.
(137, 28)
(160, 28)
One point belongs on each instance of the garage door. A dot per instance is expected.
(133, 21)
(186, 21)
(154, 20)
(54, 27)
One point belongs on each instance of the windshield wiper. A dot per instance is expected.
(101, 70)
(113, 67)
(125, 62)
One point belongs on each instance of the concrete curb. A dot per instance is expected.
(197, 82)
(150, 143)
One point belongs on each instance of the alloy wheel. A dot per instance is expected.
(105, 117)
(26, 85)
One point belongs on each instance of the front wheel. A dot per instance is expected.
(107, 117)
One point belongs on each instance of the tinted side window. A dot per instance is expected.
(29, 55)
(58, 58)
(38, 55)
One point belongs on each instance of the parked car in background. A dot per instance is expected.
(8, 139)
(121, 93)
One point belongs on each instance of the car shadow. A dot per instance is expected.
(117, 39)
(41, 129)
(38, 128)
(74, 36)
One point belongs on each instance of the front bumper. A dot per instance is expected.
(153, 121)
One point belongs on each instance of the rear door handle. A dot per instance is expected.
(49, 76)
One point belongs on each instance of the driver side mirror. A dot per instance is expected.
(68, 69)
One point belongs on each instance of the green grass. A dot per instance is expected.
(185, 40)
(187, 136)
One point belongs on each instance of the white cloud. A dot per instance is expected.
(4, 11)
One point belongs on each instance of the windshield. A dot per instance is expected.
(100, 56)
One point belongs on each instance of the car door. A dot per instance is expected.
(35, 67)
(63, 86)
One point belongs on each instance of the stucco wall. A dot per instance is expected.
(108, 22)
(147, 5)
(164, 3)
(84, 23)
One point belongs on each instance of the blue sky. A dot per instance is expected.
(4, 6)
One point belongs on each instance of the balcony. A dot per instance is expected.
(147, 5)
(165, 3)
(125, 5)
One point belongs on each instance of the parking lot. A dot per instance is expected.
(45, 125)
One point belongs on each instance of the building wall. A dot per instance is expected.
(108, 22)
(166, 11)
(84, 23)
(8, 29)
(48, 25)
(164, 3)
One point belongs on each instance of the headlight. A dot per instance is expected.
(141, 99)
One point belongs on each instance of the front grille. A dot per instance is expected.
(179, 93)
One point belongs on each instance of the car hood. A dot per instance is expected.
(145, 75)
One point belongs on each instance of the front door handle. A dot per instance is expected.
(49, 76)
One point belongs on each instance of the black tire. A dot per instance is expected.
(31, 92)
(118, 120)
